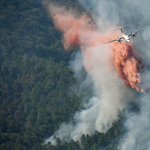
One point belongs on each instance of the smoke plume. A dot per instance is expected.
(114, 69)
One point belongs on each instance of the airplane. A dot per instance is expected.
(124, 37)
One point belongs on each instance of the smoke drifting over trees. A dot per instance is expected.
(113, 68)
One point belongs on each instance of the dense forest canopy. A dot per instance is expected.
(34, 81)
(34, 76)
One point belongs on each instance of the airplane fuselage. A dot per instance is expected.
(126, 38)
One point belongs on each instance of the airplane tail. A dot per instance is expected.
(121, 28)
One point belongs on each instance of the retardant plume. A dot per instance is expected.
(129, 65)
(80, 31)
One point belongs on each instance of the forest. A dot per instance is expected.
(34, 82)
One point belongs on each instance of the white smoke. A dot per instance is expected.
(138, 126)
(110, 95)
(101, 110)
(135, 14)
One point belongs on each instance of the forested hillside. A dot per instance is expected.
(34, 81)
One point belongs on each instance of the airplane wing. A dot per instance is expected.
(135, 32)
(119, 40)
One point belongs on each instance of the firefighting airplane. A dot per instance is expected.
(124, 37)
